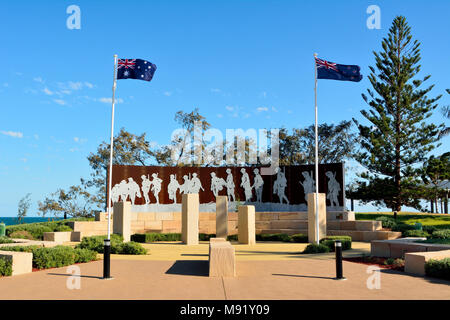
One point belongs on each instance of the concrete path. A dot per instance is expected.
(307, 278)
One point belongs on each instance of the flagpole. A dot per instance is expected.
(107, 243)
(316, 151)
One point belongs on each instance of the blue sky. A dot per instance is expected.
(244, 64)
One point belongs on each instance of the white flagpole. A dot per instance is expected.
(111, 146)
(107, 249)
(316, 151)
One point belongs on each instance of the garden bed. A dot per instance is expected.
(384, 263)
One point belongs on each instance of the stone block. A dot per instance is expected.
(415, 261)
(292, 215)
(221, 259)
(171, 225)
(101, 216)
(232, 216)
(163, 215)
(266, 216)
(333, 225)
(177, 216)
(380, 249)
(189, 218)
(146, 216)
(22, 262)
(322, 217)
(59, 237)
(76, 236)
(221, 217)
(246, 225)
(122, 219)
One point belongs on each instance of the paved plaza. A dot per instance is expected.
(264, 271)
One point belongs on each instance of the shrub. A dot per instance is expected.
(387, 222)
(416, 233)
(5, 240)
(438, 268)
(330, 242)
(153, 237)
(59, 256)
(62, 228)
(316, 248)
(299, 238)
(429, 229)
(205, 237)
(96, 243)
(389, 261)
(403, 228)
(5, 267)
(21, 234)
(273, 237)
(233, 237)
(131, 248)
(441, 234)
(36, 230)
(84, 255)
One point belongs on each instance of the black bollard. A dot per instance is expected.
(107, 259)
(338, 249)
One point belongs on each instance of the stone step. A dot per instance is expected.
(289, 224)
(366, 235)
(287, 231)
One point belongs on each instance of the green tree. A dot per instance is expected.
(446, 112)
(129, 149)
(23, 207)
(398, 138)
(434, 172)
(336, 143)
(75, 202)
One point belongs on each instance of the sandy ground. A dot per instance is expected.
(264, 271)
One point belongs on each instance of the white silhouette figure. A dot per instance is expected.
(173, 187)
(134, 190)
(217, 184)
(146, 188)
(195, 184)
(245, 183)
(258, 183)
(279, 185)
(333, 189)
(156, 186)
(186, 186)
(115, 193)
(309, 185)
(123, 190)
(230, 186)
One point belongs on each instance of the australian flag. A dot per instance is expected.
(334, 71)
(135, 69)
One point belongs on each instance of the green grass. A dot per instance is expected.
(439, 221)
(436, 241)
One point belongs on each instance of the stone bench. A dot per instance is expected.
(221, 258)
(22, 262)
(415, 261)
(399, 247)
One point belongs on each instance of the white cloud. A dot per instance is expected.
(88, 84)
(167, 93)
(6, 84)
(76, 139)
(12, 134)
(60, 102)
(47, 91)
(229, 108)
(109, 100)
(274, 109)
(260, 109)
(220, 115)
(38, 79)
(36, 137)
(24, 159)
(215, 90)
(75, 85)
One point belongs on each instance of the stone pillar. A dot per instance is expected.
(322, 212)
(122, 219)
(222, 217)
(189, 218)
(246, 225)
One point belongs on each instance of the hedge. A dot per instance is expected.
(59, 256)
(441, 234)
(37, 229)
(416, 233)
(273, 237)
(5, 267)
(438, 268)
(387, 222)
(5, 240)
(330, 242)
(316, 248)
(96, 243)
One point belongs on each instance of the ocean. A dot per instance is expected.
(13, 220)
